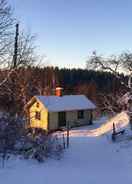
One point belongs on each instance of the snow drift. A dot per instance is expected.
(120, 120)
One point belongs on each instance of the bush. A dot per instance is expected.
(40, 147)
(15, 140)
(10, 132)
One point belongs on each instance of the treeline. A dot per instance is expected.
(42, 81)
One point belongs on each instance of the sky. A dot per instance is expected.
(68, 31)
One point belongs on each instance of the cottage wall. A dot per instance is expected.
(43, 122)
(53, 120)
(72, 117)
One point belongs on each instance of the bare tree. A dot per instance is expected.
(113, 64)
(6, 32)
(26, 55)
(116, 65)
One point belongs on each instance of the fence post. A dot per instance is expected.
(63, 141)
(67, 126)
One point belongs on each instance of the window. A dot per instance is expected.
(80, 114)
(37, 115)
(37, 105)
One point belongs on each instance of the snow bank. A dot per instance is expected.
(121, 120)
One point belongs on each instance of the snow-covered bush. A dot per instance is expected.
(10, 132)
(40, 147)
(16, 140)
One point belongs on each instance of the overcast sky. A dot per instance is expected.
(69, 30)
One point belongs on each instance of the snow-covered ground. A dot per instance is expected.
(91, 159)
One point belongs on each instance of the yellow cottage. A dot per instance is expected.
(53, 112)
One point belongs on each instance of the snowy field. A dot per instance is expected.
(91, 159)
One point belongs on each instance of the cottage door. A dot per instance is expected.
(62, 119)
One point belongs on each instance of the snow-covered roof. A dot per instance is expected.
(66, 103)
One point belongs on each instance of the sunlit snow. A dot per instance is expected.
(92, 158)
